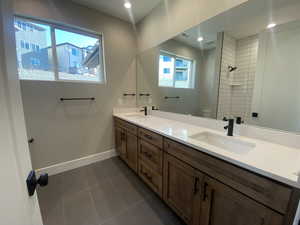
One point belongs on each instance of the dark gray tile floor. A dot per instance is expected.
(107, 193)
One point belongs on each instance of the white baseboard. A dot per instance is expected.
(73, 164)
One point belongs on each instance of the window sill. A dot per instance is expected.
(66, 81)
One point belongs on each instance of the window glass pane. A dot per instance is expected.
(183, 74)
(34, 51)
(79, 56)
(166, 70)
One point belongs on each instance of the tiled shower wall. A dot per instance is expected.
(236, 88)
(246, 61)
(228, 58)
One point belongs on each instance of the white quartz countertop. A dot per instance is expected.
(275, 161)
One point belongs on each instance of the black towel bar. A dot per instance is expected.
(77, 99)
(176, 97)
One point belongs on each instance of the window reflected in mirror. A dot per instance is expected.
(175, 71)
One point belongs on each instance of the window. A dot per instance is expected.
(175, 71)
(34, 62)
(58, 53)
(167, 71)
(74, 51)
(167, 58)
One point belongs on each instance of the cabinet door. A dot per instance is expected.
(132, 151)
(121, 142)
(224, 205)
(181, 187)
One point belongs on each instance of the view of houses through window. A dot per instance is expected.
(175, 71)
(78, 56)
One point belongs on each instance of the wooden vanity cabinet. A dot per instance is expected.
(268, 192)
(201, 200)
(202, 189)
(127, 143)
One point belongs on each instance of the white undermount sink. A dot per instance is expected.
(136, 116)
(231, 144)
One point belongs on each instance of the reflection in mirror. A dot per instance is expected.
(181, 74)
(242, 63)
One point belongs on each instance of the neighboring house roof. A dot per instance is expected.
(67, 43)
(92, 59)
(39, 28)
(17, 28)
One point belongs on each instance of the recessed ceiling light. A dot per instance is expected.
(200, 39)
(271, 25)
(127, 5)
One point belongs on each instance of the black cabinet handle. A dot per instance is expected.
(196, 185)
(128, 94)
(123, 136)
(148, 155)
(149, 177)
(204, 191)
(146, 175)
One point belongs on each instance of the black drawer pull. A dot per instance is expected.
(196, 185)
(148, 155)
(148, 177)
(204, 191)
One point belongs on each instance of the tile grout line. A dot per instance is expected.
(94, 205)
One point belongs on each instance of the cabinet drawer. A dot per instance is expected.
(151, 155)
(125, 125)
(151, 178)
(151, 137)
(264, 190)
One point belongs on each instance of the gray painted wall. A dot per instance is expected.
(70, 130)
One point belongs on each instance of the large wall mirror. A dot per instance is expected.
(242, 63)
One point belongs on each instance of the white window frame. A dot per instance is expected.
(73, 29)
(175, 56)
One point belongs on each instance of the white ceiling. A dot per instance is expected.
(140, 8)
(242, 21)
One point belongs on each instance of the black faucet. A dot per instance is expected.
(154, 108)
(145, 110)
(229, 127)
(239, 120)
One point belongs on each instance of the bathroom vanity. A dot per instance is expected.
(203, 183)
